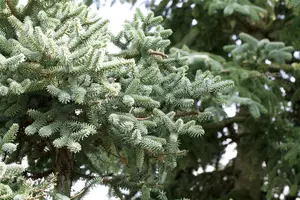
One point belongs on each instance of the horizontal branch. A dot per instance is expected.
(12, 7)
(157, 53)
(37, 175)
(225, 122)
(178, 114)
(187, 114)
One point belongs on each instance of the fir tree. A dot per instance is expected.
(252, 43)
(76, 110)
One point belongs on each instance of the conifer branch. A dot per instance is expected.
(86, 188)
(144, 118)
(225, 122)
(79, 193)
(35, 197)
(58, 65)
(178, 114)
(42, 190)
(12, 8)
(157, 53)
(186, 114)
(236, 138)
(38, 175)
(226, 71)
(27, 9)
(277, 67)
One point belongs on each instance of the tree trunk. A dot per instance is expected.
(64, 167)
(248, 169)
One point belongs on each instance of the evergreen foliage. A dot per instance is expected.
(136, 119)
(254, 43)
(13, 184)
(79, 111)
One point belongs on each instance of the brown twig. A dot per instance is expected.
(143, 118)
(12, 7)
(38, 191)
(157, 53)
(186, 114)
(79, 193)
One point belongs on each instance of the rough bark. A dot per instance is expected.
(64, 167)
(248, 171)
